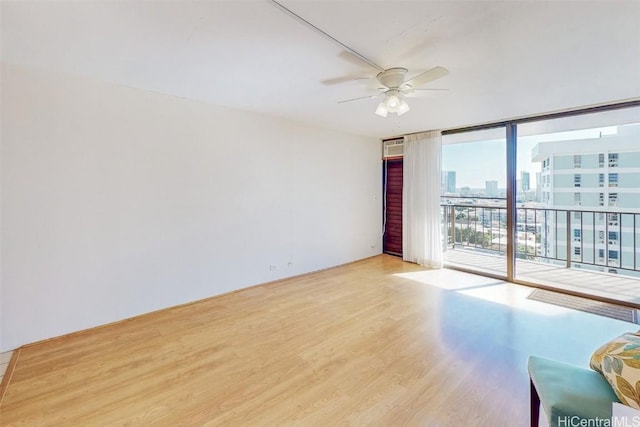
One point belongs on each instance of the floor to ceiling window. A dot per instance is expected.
(563, 213)
(578, 203)
(473, 199)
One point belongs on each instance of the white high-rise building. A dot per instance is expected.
(590, 189)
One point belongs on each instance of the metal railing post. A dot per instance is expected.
(453, 225)
(568, 250)
(635, 264)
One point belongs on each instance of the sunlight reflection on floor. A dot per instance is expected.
(449, 279)
(515, 296)
(486, 288)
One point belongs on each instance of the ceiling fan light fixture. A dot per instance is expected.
(382, 110)
(393, 102)
(403, 107)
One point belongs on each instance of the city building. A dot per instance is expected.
(465, 191)
(525, 183)
(448, 182)
(491, 188)
(451, 182)
(590, 189)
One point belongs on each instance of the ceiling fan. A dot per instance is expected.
(395, 86)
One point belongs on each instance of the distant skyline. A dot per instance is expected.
(477, 162)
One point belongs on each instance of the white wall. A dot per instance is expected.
(117, 202)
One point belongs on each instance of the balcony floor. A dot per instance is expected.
(610, 286)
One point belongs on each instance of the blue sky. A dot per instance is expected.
(480, 161)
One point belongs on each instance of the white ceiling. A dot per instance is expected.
(506, 59)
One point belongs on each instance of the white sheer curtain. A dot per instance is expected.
(421, 234)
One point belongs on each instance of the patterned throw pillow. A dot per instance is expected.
(619, 362)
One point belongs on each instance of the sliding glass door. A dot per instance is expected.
(473, 196)
(555, 203)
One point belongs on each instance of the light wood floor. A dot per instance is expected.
(377, 342)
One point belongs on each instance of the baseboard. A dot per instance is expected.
(6, 379)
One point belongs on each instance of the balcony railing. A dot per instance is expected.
(597, 240)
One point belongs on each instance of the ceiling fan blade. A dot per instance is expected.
(428, 76)
(422, 93)
(358, 99)
(358, 60)
(344, 79)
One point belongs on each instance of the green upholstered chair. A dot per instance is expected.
(568, 391)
